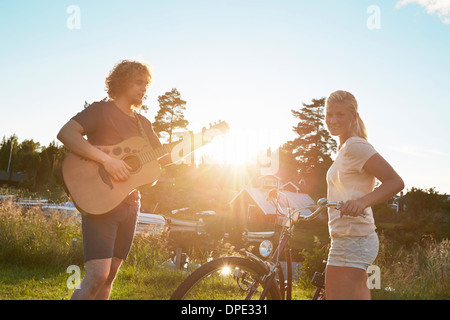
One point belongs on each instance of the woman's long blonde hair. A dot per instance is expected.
(349, 100)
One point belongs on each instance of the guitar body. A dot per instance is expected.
(94, 191)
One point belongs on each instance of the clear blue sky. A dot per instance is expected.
(246, 62)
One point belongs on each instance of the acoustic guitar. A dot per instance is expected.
(95, 192)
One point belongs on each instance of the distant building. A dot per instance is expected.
(12, 178)
(252, 209)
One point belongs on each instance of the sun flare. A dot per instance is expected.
(239, 147)
(226, 270)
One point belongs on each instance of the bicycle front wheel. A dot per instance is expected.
(227, 278)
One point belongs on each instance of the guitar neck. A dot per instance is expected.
(188, 144)
(153, 154)
(184, 148)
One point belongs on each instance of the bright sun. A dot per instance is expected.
(239, 147)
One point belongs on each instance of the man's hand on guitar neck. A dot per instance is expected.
(116, 168)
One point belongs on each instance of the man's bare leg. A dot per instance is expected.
(97, 272)
(105, 290)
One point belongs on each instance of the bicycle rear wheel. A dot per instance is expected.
(227, 278)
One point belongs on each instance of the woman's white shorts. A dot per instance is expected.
(356, 252)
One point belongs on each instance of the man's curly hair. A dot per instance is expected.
(122, 75)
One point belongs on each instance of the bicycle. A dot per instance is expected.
(250, 277)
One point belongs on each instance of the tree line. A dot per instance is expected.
(36, 161)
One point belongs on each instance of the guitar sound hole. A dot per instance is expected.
(133, 162)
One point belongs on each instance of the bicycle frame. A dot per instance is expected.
(273, 264)
(285, 290)
(251, 273)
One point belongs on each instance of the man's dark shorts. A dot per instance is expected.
(110, 235)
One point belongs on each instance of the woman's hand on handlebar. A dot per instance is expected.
(353, 208)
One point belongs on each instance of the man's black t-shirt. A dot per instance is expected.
(105, 124)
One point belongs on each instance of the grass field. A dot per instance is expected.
(23, 283)
(36, 250)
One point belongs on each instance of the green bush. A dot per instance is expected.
(418, 200)
(313, 261)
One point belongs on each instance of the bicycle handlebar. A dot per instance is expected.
(322, 204)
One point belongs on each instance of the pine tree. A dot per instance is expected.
(7, 152)
(313, 147)
(170, 115)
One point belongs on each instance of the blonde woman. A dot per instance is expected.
(351, 178)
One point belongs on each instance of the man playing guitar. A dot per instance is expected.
(107, 238)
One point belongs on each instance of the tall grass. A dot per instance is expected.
(32, 243)
(419, 273)
(145, 275)
(40, 247)
(28, 237)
